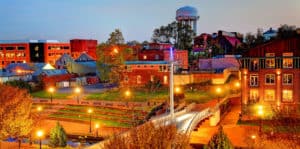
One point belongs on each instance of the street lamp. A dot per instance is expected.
(51, 90)
(218, 91)
(237, 85)
(90, 111)
(177, 90)
(260, 113)
(77, 90)
(97, 127)
(39, 135)
(127, 93)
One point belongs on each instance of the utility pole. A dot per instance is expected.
(171, 85)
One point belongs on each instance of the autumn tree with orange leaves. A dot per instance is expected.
(15, 119)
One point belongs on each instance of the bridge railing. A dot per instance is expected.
(198, 118)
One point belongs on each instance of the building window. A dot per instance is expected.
(254, 80)
(165, 79)
(287, 79)
(145, 57)
(254, 95)
(127, 68)
(287, 95)
(138, 79)
(270, 60)
(152, 78)
(287, 61)
(270, 79)
(126, 79)
(156, 57)
(269, 95)
(254, 64)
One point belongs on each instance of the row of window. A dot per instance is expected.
(287, 79)
(12, 55)
(58, 47)
(139, 79)
(13, 48)
(269, 95)
(162, 68)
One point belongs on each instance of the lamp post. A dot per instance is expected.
(237, 85)
(51, 90)
(97, 127)
(39, 109)
(77, 90)
(40, 134)
(90, 111)
(260, 113)
(218, 91)
(172, 85)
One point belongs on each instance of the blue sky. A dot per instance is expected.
(96, 19)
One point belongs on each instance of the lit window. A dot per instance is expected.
(145, 57)
(287, 79)
(287, 60)
(254, 95)
(270, 62)
(254, 64)
(287, 95)
(165, 79)
(269, 95)
(253, 80)
(270, 79)
(138, 79)
(152, 78)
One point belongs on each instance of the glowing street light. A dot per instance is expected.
(97, 127)
(260, 113)
(177, 90)
(39, 108)
(77, 91)
(51, 90)
(90, 111)
(127, 93)
(40, 134)
(218, 91)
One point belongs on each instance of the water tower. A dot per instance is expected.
(188, 15)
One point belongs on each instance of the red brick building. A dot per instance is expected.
(161, 52)
(138, 73)
(13, 53)
(88, 46)
(53, 51)
(271, 74)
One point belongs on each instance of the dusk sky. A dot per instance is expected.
(96, 19)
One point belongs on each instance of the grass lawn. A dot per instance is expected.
(197, 96)
(45, 94)
(136, 95)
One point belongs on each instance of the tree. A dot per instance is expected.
(20, 84)
(111, 59)
(219, 141)
(15, 119)
(153, 85)
(286, 31)
(249, 40)
(116, 38)
(259, 37)
(182, 34)
(58, 136)
(150, 136)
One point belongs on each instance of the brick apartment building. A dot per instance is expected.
(14, 53)
(271, 74)
(138, 73)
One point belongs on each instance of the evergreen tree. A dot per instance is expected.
(219, 141)
(58, 136)
(116, 37)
